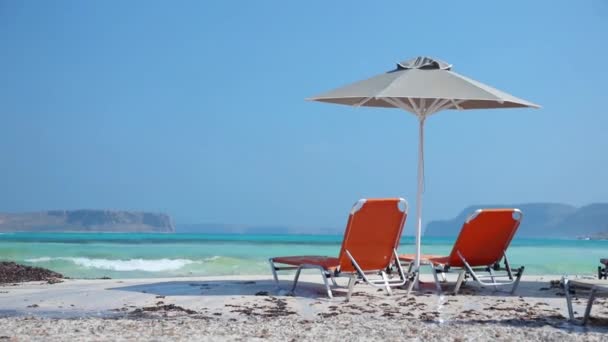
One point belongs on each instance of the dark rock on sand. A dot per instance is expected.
(54, 281)
(163, 308)
(275, 308)
(11, 272)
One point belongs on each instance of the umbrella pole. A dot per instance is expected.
(419, 194)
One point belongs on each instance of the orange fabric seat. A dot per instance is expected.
(435, 259)
(326, 262)
(372, 234)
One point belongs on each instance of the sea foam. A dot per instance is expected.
(148, 265)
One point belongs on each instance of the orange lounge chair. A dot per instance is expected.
(369, 247)
(480, 246)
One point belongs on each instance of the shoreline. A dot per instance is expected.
(135, 256)
(250, 307)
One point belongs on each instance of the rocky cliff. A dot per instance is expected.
(87, 221)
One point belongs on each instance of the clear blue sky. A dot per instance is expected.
(196, 108)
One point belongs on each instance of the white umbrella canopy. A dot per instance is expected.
(422, 86)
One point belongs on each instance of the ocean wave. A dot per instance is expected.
(41, 259)
(148, 265)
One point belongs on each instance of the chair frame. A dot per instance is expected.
(602, 271)
(467, 271)
(594, 291)
(513, 275)
(386, 281)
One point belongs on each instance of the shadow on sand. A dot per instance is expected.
(258, 287)
(528, 289)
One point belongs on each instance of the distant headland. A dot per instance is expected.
(546, 220)
(87, 221)
(541, 220)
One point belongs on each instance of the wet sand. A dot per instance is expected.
(251, 307)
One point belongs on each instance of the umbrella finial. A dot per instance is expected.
(424, 63)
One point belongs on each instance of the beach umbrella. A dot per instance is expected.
(422, 86)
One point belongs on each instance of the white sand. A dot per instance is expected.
(227, 308)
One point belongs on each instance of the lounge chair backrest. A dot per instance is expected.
(372, 233)
(485, 236)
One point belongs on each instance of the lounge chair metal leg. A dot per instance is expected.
(295, 279)
(409, 278)
(437, 285)
(386, 284)
(491, 271)
(351, 285)
(409, 269)
(329, 293)
(520, 272)
(274, 272)
(411, 282)
(568, 299)
(459, 281)
(415, 279)
(470, 270)
(508, 267)
(589, 305)
(333, 279)
(402, 275)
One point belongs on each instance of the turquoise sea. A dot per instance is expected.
(94, 255)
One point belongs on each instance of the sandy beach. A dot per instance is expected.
(251, 307)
